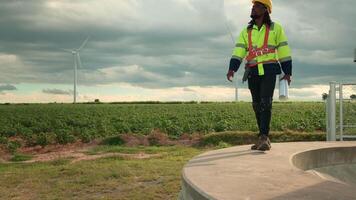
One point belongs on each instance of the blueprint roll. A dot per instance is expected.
(283, 88)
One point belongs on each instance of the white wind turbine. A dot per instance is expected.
(77, 62)
(233, 43)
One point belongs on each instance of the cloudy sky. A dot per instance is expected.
(162, 50)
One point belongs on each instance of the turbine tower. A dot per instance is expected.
(77, 63)
(233, 43)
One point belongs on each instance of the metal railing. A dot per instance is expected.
(341, 95)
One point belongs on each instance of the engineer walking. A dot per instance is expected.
(264, 45)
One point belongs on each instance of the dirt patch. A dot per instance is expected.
(75, 152)
(133, 156)
(189, 139)
(158, 138)
(79, 155)
(132, 140)
(58, 148)
(4, 154)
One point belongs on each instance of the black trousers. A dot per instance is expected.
(262, 88)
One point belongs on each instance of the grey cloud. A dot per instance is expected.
(57, 91)
(315, 27)
(173, 43)
(155, 46)
(7, 87)
(307, 74)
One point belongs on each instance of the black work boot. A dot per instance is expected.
(265, 144)
(257, 143)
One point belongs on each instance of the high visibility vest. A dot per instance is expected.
(255, 52)
(264, 46)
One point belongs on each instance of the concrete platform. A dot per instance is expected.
(307, 170)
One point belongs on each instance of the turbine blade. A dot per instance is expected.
(79, 61)
(84, 43)
(226, 22)
(67, 50)
(230, 32)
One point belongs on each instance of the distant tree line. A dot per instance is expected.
(325, 96)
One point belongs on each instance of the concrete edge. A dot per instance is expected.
(316, 158)
(326, 177)
(190, 191)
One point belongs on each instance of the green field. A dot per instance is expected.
(64, 123)
(114, 177)
(122, 177)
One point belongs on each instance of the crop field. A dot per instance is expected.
(122, 172)
(64, 123)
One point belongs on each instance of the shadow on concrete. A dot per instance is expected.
(207, 158)
(199, 164)
(321, 191)
(345, 173)
(222, 153)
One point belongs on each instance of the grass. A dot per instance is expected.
(128, 178)
(130, 150)
(20, 157)
(248, 137)
(106, 178)
(118, 177)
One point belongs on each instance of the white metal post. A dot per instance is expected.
(341, 126)
(332, 112)
(327, 117)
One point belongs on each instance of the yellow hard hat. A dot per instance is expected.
(267, 3)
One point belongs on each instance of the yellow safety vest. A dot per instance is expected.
(267, 45)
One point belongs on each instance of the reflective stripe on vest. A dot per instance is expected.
(255, 52)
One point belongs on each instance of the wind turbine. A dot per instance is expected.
(77, 62)
(233, 42)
